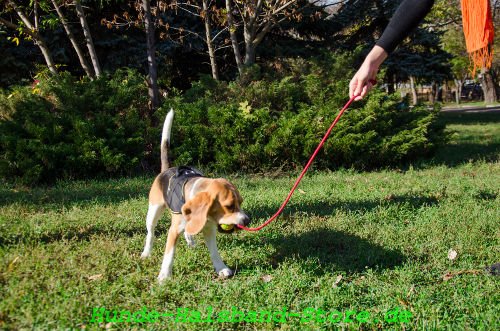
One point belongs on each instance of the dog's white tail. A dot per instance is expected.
(165, 140)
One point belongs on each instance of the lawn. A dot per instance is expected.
(353, 250)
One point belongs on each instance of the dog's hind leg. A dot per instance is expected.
(168, 258)
(155, 212)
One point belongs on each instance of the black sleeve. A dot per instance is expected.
(408, 15)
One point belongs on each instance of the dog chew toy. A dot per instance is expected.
(227, 227)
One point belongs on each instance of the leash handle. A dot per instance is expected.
(311, 159)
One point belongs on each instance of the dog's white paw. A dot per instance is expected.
(226, 272)
(162, 277)
(145, 254)
(190, 240)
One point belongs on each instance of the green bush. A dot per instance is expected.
(65, 128)
(236, 137)
(78, 129)
(279, 122)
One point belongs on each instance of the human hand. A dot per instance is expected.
(365, 78)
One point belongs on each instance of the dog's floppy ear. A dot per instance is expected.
(195, 211)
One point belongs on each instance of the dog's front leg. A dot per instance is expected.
(209, 233)
(190, 240)
(168, 258)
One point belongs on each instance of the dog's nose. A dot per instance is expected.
(246, 220)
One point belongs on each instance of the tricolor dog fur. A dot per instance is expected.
(208, 203)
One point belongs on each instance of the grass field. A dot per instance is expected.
(362, 250)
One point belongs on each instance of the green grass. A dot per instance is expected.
(69, 248)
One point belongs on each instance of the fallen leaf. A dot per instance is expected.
(266, 278)
(448, 276)
(11, 265)
(411, 291)
(301, 191)
(452, 254)
(94, 277)
(389, 197)
(403, 302)
(337, 280)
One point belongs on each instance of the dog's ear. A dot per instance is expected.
(195, 211)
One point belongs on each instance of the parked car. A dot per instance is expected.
(472, 91)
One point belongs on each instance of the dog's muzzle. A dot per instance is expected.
(243, 219)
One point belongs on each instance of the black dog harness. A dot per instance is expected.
(175, 180)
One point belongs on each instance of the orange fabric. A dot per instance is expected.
(479, 32)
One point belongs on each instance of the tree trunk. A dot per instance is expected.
(153, 72)
(47, 54)
(250, 54)
(434, 92)
(444, 95)
(71, 36)
(488, 86)
(210, 44)
(250, 51)
(413, 90)
(233, 37)
(88, 38)
(458, 96)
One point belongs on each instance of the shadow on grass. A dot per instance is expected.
(332, 250)
(98, 192)
(468, 118)
(129, 228)
(462, 152)
(74, 234)
(464, 149)
(335, 250)
(329, 207)
(325, 251)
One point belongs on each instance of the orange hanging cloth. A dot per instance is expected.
(479, 32)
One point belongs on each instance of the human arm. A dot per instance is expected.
(408, 15)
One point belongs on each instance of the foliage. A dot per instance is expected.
(278, 123)
(454, 43)
(63, 127)
(422, 58)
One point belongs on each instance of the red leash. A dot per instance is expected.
(305, 169)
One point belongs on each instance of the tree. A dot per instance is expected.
(153, 92)
(178, 21)
(258, 18)
(210, 42)
(88, 37)
(73, 40)
(454, 43)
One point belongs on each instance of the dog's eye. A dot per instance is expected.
(230, 207)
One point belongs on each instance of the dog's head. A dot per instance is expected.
(220, 202)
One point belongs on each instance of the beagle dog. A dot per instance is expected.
(197, 204)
